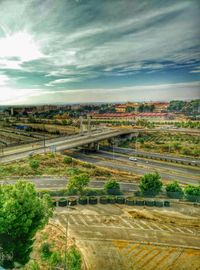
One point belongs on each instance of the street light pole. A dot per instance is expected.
(66, 239)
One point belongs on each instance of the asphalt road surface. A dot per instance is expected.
(185, 175)
(59, 183)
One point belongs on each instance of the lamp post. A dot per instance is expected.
(44, 137)
(66, 238)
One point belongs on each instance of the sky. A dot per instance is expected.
(80, 51)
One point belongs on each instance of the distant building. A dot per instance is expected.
(112, 115)
(120, 108)
(154, 116)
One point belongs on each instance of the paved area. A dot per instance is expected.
(109, 237)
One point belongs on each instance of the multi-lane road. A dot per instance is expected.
(14, 153)
(61, 183)
(168, 171)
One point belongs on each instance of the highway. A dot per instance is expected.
(63, 143)
(183, 174)
(170, 158)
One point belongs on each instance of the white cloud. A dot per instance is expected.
(160, 92)
(21, 45)
(61, 81)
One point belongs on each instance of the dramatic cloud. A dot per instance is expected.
(57, 47)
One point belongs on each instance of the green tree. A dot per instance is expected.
(174, 190)
(22, 213)
(77, 183)
(112, 187)
(150, 184)
(73, 259)
(34, 164)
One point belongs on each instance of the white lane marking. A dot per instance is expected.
(148, 226)
(126, 222)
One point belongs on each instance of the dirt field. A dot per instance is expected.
(114, 237)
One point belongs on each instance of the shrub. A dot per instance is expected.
(83, 200)
(111, 199)
(103, 199)
(45, 251)
(92, 200)
(67, 160)
(150, 184)
(139, 202)
(55, 259)
(174, 190)
(130, 201)
(72, 201)
(73, 171)
(34, 164)
(112, 187)
(73, 259)
(120, 200)
(192, 193)
(94, 192)
(62, 202)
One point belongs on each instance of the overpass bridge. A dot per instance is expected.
(90, 140)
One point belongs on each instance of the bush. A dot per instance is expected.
(166, 203)
(174, 190)
(120, 200)
(62, 202)
(55, 259)
(93, 192)
(67, 160)
(83, 200)
(192, 193)
(149, 203)
(34, 164)
(139, 202)
(150, 184)
(103, 200)
(73, 259)
(45, 251)
(111, 199)
(130, 201)
(158, 203)
(92, 200)
(73, 171)
(72, 201)
(112, 187)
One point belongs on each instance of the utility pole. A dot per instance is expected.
(81, 124)
(44, 137)
(89, 124)
(66, 239)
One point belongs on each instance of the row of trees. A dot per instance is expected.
(150, 185)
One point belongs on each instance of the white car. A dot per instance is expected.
(133, 159)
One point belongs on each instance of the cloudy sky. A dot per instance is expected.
(98, 50)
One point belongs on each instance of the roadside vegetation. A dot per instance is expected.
(177, 144)
(51, 164)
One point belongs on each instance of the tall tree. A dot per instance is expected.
(22, 213)
(150, 184)
(77, 183)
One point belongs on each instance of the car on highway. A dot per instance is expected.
(133, 159)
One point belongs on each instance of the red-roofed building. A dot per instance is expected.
(154, 116)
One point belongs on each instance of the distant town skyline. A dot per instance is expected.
(86, 51)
